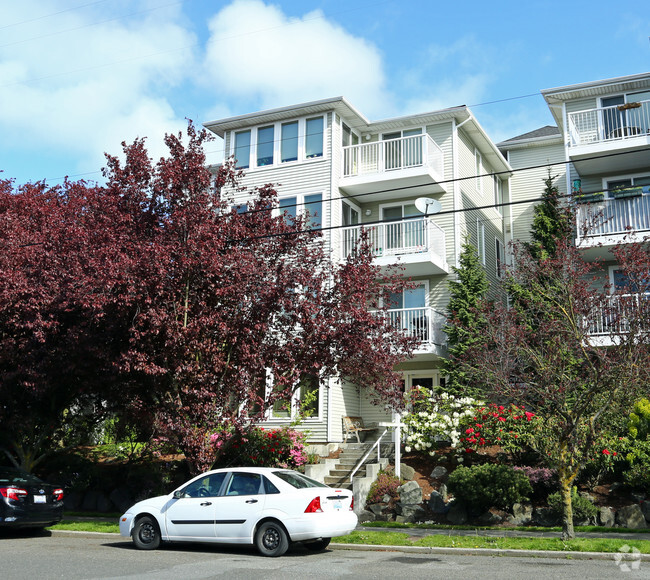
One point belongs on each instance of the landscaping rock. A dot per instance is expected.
(366, 516)
(645, 508)
(375, 508)
(386, 498)
(412, 513)
(442, 490)
(437, 504)
(406, 472)
(457, 514)
(410, 493)
(631, 516)
(522, 514)
(489, 519)
(104, 504)
(545, 516)
(89, 503)
(439, 472)
(606, 517)
(72, 501)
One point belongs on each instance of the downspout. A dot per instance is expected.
(328, 423)
(566, 149)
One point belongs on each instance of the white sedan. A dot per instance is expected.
(264, 506)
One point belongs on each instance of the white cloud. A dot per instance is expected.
(82, 81)
(259, 54)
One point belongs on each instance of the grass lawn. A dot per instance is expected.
(448, 540)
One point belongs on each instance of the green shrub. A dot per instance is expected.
(385, 484)
(583, 508)
(484, 486)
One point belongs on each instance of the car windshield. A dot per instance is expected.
(298, 480)
(12, 476)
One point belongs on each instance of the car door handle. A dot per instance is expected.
(207, 503)
(251, 501)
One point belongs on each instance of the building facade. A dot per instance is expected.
(351, 173)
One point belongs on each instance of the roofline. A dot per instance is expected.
(531, 142)
(549, 94)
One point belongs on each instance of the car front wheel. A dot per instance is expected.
(146, 535)
(271, 539)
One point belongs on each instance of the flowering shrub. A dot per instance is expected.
(261, 447)
(385, 484)
(510, 427)
(542, 479)
(436, 417)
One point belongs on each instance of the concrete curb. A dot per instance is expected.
(627, 557)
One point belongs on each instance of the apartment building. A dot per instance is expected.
(351, 173)
(599, 153)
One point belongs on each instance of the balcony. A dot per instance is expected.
(623, 128)
(416, 244)
(424, 323)
(606, 221)
(613, 317)
(415, 163)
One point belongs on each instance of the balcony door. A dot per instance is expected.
(408, 310)
(402, 235)
(400, 151)
(614, 120)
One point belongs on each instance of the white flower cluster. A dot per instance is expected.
(438, 418)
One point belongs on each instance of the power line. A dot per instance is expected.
(44, 16)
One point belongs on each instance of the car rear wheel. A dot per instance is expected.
(146, 535)
(318, 545)
(271, 539)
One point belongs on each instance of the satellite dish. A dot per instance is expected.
(427, 206)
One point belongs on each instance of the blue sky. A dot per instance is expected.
(78, 77)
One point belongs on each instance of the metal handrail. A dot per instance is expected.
(362, 460)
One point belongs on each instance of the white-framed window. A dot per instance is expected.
(620, 282)
(350, 214)
(619, 121)
(500, 257)
(301, 204)
(348, 136)
(620, 186)
(498, 193)
(279, 143)
(478, 167)
(306, 401)
(480, 240)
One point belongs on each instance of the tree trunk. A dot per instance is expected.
(566, 476)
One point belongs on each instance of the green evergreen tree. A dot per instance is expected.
(464, 323)
(550, 222)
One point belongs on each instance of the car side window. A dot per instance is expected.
(245, 484)
(207, 486)
(268, 486)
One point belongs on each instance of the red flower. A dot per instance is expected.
(469, 430)
(529, 415)
(503, 419)
(606, 452)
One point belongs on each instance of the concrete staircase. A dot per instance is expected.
(351, 454)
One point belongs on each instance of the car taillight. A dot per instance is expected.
(314, 506)
(13, 493)
(58, 494)
(352, 504)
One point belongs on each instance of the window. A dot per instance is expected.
(405, 233)
(403, 149)
(298, 480)
(265, 146)
(628, 282)
(625, 122)
(628, 187)
(289, 143)
(348, 137)
(350, 215)
(500, 255)
(242, 149)
(306, 204)
(480, 240)
(498, 194)
(286, 142)
(304, 402)
(314, 138)
(478, 158)
(208, 486)
(245, 484)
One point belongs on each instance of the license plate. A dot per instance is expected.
(40, 499)
(338, 505)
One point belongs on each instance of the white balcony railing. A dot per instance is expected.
(412, 236)
(392, 155)
(614, 216)
(423, 323)
(609, 123)
(614, 316)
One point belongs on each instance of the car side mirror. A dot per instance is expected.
(178, 494)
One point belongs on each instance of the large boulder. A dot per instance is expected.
(406, 472)
(437, 504)
(606, 517)
(410, 493)
(366, 516)
(439, 472)
(522, 514)
(631, 516)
